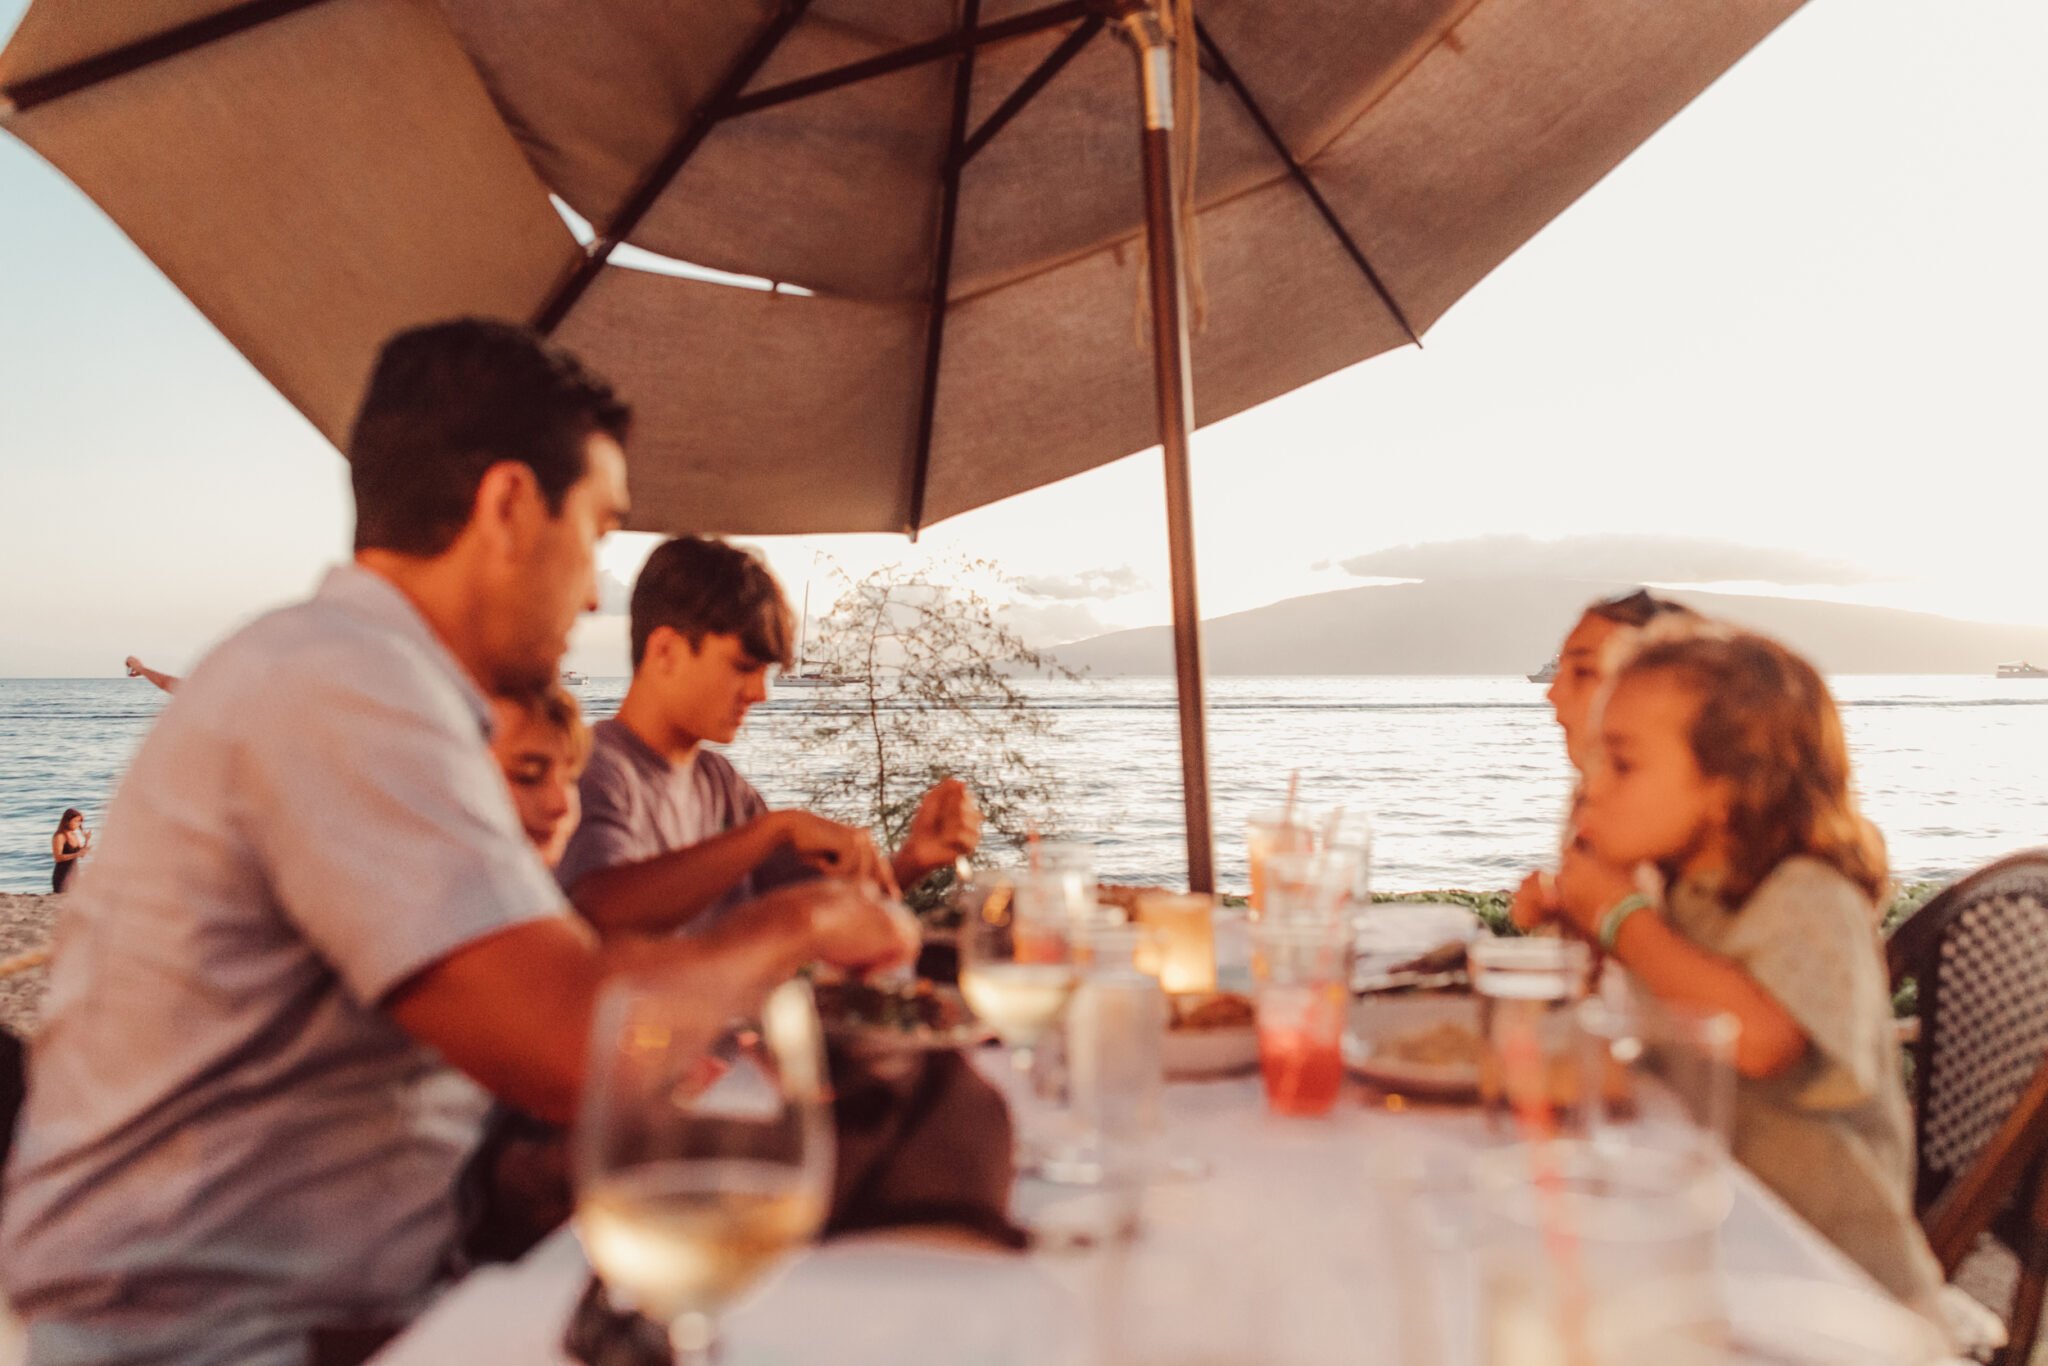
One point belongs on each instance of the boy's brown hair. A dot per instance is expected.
(555, 707)
(1768, 726)
(697, 587)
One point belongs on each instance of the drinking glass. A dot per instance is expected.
(1116, 1043)
(1016, 972)
(1060, 874)
(1351, 835)
(1660, 1075)
(1529, 1060)
(699, 1168)
(1570, 1233)
(1301, 992)
(1277, 831)
(1310, 886)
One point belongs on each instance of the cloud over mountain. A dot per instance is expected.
(1089, 583)
(1625, 558)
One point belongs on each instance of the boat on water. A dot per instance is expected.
(804, 675)
(571, 679)
(2021, 670)
(1546, 673)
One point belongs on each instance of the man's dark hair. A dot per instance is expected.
(701, 587)
(448, 401)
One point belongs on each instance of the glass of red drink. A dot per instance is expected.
(1301, 995)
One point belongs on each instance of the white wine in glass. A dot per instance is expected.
(704, 1157)
(1020, 1001)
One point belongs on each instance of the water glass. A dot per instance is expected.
(1660, 1075)
(1272, 832)
(698, 1168)
(1116, 1066)
(1301, 995)
(1350, 835)
(1571, 1234)
(1309, 886)
(1530, 1055)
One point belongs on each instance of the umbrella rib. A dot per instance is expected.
(942, 267)
(663, 173)
(1228, 74)
(962, 40)
(87, 72)
(1055, 62)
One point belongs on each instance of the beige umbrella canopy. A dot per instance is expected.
(949, 197)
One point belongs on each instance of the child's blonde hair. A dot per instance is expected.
(553, 706)
(1768, 726)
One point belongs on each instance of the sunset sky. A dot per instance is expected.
(1794, 342)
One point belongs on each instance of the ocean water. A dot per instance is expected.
(1464, 778)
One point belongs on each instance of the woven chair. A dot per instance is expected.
(1979, 954)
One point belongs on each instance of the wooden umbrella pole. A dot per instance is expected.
(1141, 26)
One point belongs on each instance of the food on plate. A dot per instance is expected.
(909, 1007)
(1211, 1010)
(1444, 1044)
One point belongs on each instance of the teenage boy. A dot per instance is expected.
(669, 827)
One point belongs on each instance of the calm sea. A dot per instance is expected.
(1463, 777)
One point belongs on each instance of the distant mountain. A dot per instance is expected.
(1507, 626)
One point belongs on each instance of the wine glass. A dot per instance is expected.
(1016, 972)
(703, 1154)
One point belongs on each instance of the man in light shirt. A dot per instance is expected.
(315, 935)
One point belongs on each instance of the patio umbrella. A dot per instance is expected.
(933, 214)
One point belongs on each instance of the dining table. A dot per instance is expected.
(1262, 1239)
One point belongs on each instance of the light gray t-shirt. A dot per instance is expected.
(227, 1142)
(638, 806)
(1833, 1136)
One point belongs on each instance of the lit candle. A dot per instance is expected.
(1182, 945)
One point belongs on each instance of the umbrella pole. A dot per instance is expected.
(1174, 383)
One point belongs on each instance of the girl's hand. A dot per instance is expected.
(1535, 901)
(1588, 888)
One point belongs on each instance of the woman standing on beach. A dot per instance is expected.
(68, 846)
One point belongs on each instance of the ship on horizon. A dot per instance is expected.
(1546, 673)
(2021, 669)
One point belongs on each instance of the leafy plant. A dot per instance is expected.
(931, 674)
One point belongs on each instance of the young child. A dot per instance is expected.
(541, 743)
(1605, 633)
(1721, 765)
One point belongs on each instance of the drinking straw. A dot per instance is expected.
(1031, 847)
(1522, 1062)
(1287, 808)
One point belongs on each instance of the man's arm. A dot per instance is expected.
(513, 1010)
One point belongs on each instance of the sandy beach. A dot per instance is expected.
(25, 921)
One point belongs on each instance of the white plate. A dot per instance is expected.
(1211, 1052)
(1377, 1020)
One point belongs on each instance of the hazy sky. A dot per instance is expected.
(1806, 318)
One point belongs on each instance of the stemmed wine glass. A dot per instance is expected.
(1016, 970)
(698, 1168)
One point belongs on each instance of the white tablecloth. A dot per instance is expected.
(1312, 1242)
